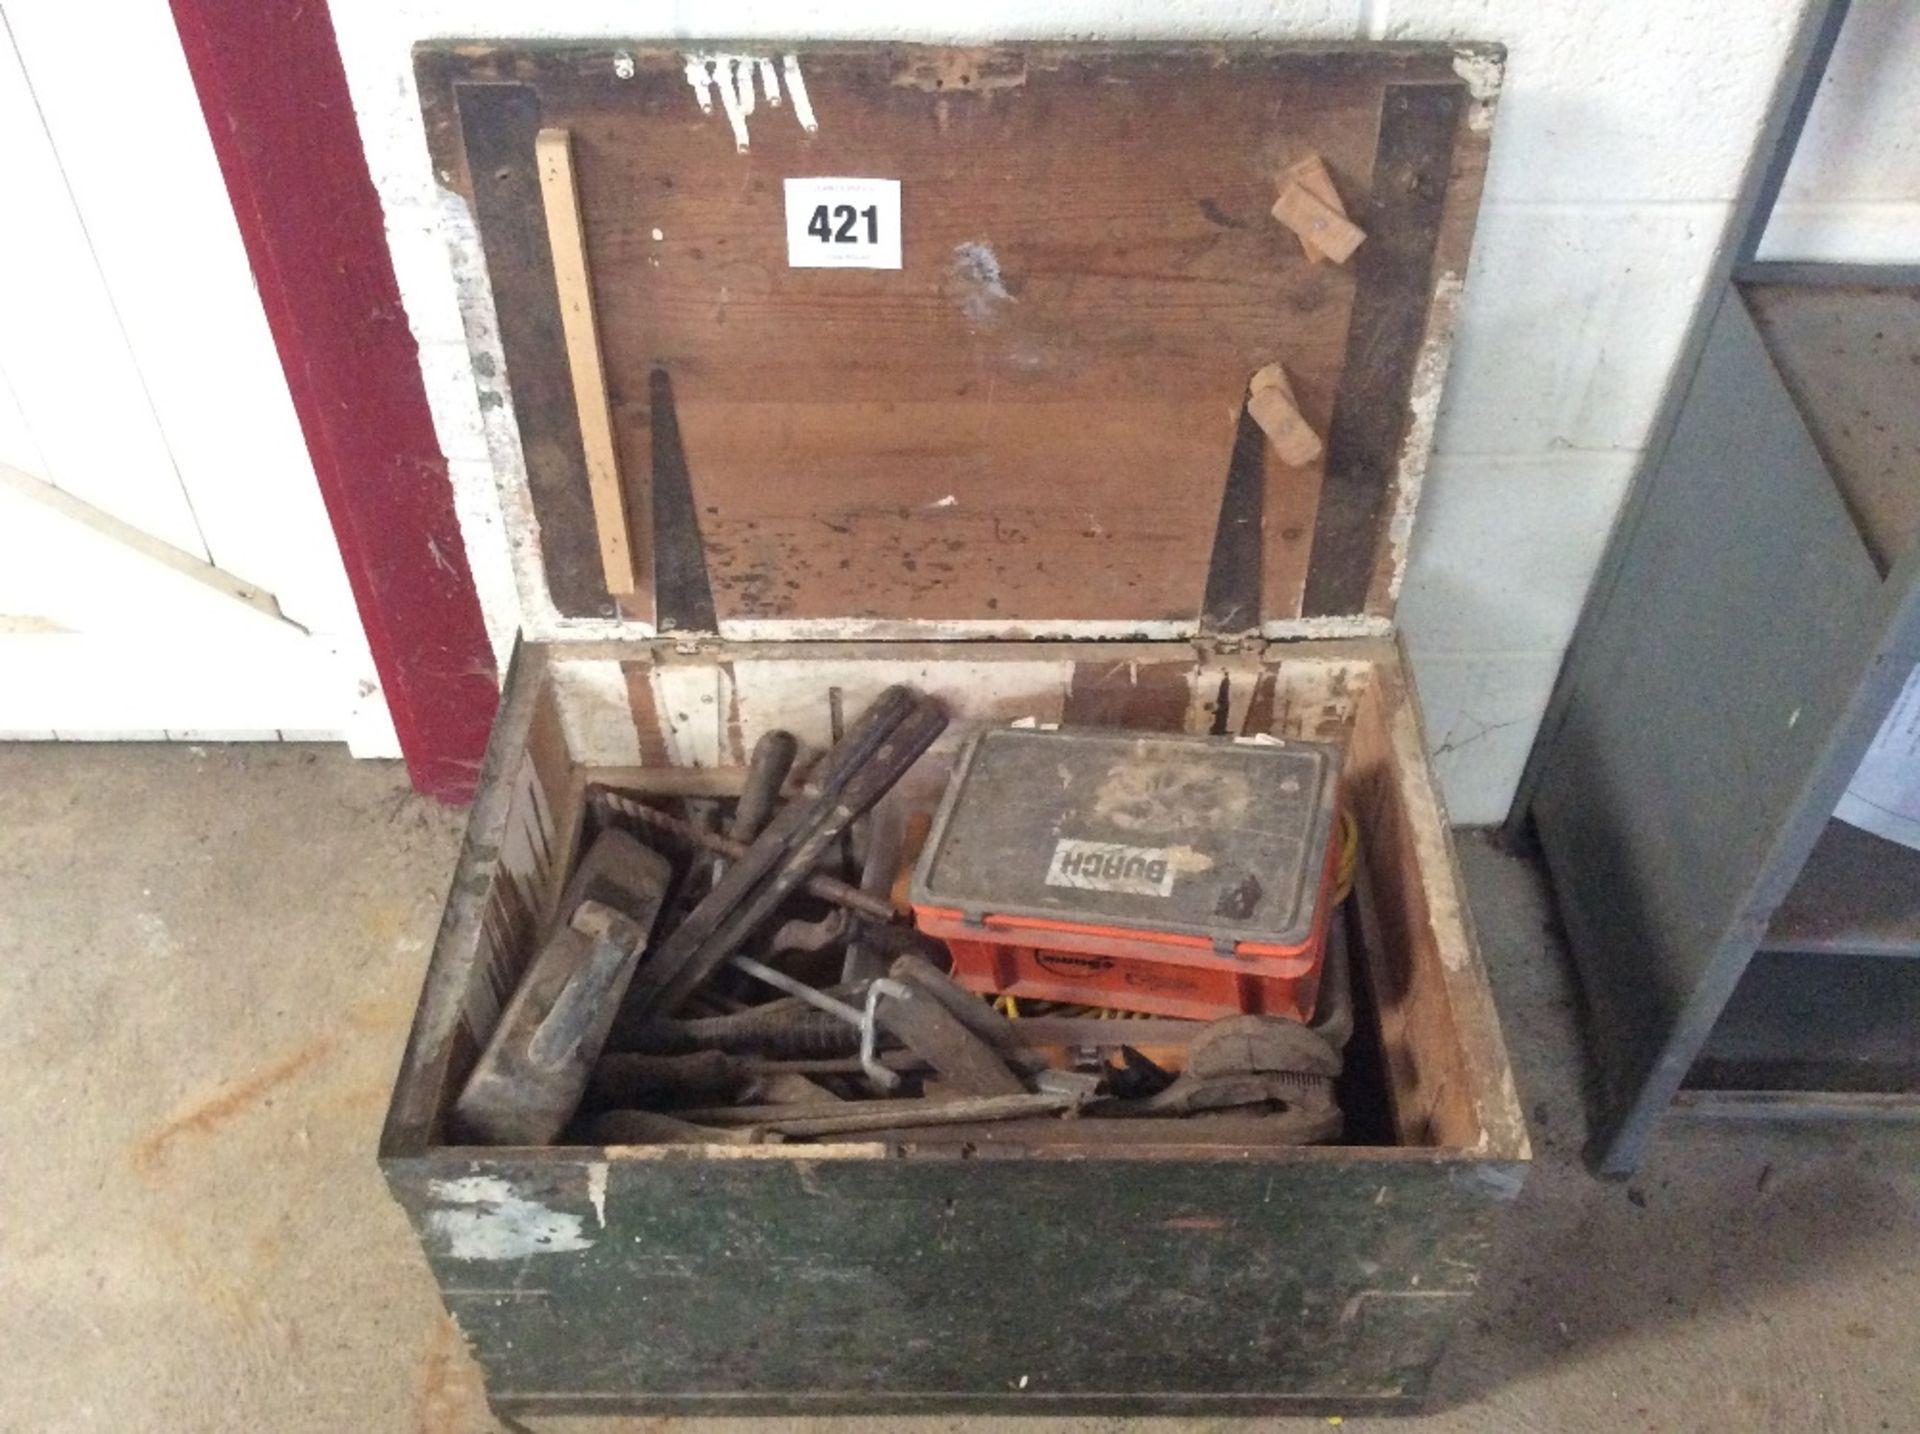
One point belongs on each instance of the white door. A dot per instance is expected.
(166, 566)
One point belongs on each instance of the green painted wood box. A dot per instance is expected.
(1016, 471)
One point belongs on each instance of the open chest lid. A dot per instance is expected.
(1024, 387)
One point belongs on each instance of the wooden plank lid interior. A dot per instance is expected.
(1038, 423)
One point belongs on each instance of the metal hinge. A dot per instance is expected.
(1218, 644)
(692, 644)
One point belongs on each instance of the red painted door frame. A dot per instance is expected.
(275, 97)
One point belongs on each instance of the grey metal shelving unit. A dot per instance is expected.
(1754, 619)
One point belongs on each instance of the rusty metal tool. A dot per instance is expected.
(797, 935)
(775, 831)
(646, 1127)
(1215, 1134)
(1333, 1010)
(779, 1087)
(852, 1117)
(1256, 1060)
(922, 1023)
(618, 870)
(703, 815)
(827, 888)
(617, 1085)
(1084, 1085)
(686, 958)
(885, 831)
(767, 769)
(967, 1007)
(864, 1021)
(696, 1078)
(917, 1013)
(624, 1080)
(792, 845)
(535, 1067)
(960, 1035)
(536, 1064)
(1260, 1043)
(782, 1029)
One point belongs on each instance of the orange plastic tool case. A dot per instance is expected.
(1182, 876)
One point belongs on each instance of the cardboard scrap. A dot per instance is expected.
(1271, 404)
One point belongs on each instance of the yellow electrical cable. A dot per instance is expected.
(1009, 1006)
(1349, 857)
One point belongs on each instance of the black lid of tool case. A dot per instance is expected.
(1214, 837)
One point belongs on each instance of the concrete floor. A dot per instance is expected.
(208, 959)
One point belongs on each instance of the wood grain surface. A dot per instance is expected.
(1032, 419)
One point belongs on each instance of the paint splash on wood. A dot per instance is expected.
(597, 1191)
(1483, 73)
(732, 79)
(484, 1218)
(976, 282)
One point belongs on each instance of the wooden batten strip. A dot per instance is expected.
(1271, 404)
(566, 234)
(1310, 205)
(1325, 229)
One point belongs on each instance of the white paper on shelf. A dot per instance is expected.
(1884, 796)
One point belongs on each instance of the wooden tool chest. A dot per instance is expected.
(1008, 448)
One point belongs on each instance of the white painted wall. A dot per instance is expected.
(1620, 140)
(1625, 129)
(137, 374)
(1853, 193)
